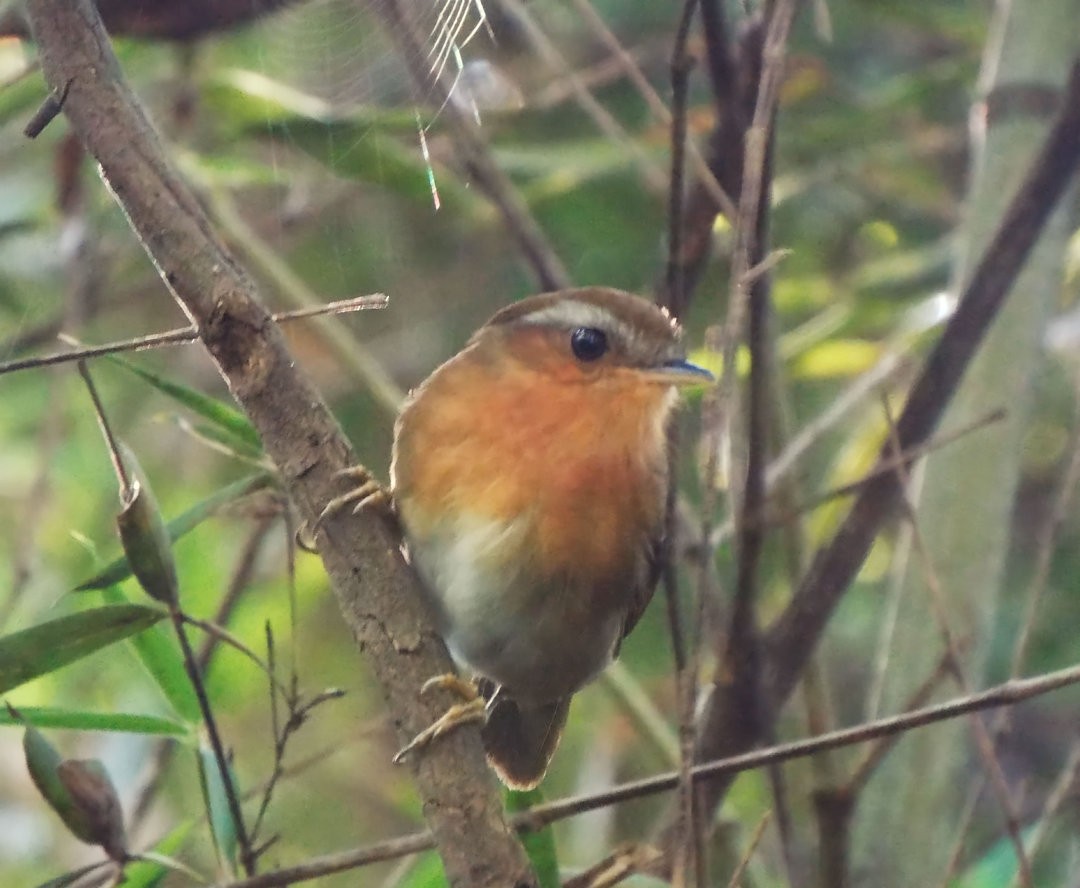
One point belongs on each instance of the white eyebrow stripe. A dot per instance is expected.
(571, 314)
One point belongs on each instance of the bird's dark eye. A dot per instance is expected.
(588, 343)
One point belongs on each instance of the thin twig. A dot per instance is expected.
(963, 824)
(47, 112)
(473, 150)
(891, 463)
(755, 839)
(753, 194)
(657, 108)
(884, 371)
(1064, 787)
(652, 176)
(815, 692)
(377, 593)
(724, 149)
(298, 712)
(884, 466)
(182, 335)
(221, 758)
(797, 631)
(224, 635)
(983, 741)
(674, 298)
(876, 752)
(1047, 537)
(690, 853)
(126, 491)
(295, 290)
(541, 816)
(618, 866)
(1005, 694)
(740, 677)
(238, 584)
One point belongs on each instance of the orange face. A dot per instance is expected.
(515, 429)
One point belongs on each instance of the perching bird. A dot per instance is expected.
(530, 477)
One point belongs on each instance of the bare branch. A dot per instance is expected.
(793, 637)
(542, 816)
(375, 589)
(473, 151)
(796, 633)
(182, 335)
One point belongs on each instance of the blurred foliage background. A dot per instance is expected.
(301, 133)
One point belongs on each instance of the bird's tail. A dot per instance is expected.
(520, 738)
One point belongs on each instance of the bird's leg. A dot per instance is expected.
(472, 709)
(367, 492)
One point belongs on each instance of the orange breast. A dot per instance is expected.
(584, 459)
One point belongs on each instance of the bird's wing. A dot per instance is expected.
(649, 576)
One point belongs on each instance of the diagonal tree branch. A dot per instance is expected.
(472, 148)
(792, 638)
(375, 590)
(797, 630)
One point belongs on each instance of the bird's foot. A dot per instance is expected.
(471, 710)
(365, 493)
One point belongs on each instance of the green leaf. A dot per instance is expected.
(365, 154)
(221, 414)
(154, 865)
(80, 720)
(427, 873)
(80, 792)
(119, 569)
(995, 866)
(249, 100)
(145, 538)
(539, 845)
(159, 654)
(73, 876)
(45, 648)
(361, 145)
(42, 760)
(571, 163)
(837, 358)
(216, 802)
(22, 96)
(222, 439)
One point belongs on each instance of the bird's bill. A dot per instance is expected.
(679, 373)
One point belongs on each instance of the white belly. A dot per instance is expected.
(534, 640)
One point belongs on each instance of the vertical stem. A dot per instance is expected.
(191, 664)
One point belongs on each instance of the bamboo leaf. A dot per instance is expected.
(145, 538)
(119, 569)
(152, 866)
(48, 646)
(211, 409)
(80, 792)
(539, 845)
(157, 650)
(216, 803)
(81, 720)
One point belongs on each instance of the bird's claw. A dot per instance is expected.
(366, 493)
(452, 682)
(473, 709)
